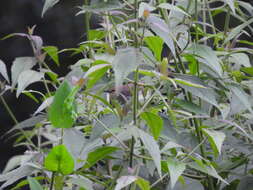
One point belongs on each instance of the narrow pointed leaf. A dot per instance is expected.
(124, 181)
(34, 184)
(3, 71)
(176, 169)
(48, 4)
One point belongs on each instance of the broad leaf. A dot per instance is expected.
(59, 160)
(125, 62)
(216, 139)
(52, 51)
(99, 154)
(124, 181)
(48, 4)
(154, 122)
(26, 78)
(176, 169)
(207, 56)
(34, 184)
(62, 110)
(143, 184)
(3, 71)
(19, 65)
(155, 43)
(150, 144)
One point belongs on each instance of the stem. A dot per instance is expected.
(87, 27)
(52, 181)
(227, 21)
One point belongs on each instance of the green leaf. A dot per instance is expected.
(124, 181)
(99, 154)
(155, 43)
(143, 184)
(52, 51)
(189, 106)
(96, 34)
(62, 110)
(125, 62)
(176, 169)
(95, 73)
(247, 70)
(150, 144)
(59, 160)
(19, 65)
(216, 139)
(207, 56)
(3, 71)
(154, 122)
(26, 78)
(34, 184)
(48, 4)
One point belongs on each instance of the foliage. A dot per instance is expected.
(162, 99)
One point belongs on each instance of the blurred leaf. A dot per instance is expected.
(231, 4)
(52, 51)
(81, 182)
(34, 184)
(26, 78)
(124, 181)
(247, 70)
(154, 122)
(46, 103)
(19, 65)
(59, 160)
(150, 144)
(62, 110)
(143, 184)
(48, 4)
(99, 154)
(155, 43)
(246, 183)
(172, 7)
(125, 62)
(3, 71)
(189, 106)
(176, 169)
(216, 138)
(240, 59)
(207, 56)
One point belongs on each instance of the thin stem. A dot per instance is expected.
(87, 26)
(227, 21)
(52, 181)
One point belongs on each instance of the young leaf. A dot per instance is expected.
(125, 62)
(3, 71)
(216, 139)
(99, 154)
(19, 65)
(62, 110)
(176, 169)
(154, 122)
(34, 184)
(59, 160)
(26, 78)
(155, 43)
(143, 184)
(124, 181)
(48, 4)
(52, 51)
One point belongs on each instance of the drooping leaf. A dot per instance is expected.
(143, 184)
(154, 122)
(59, 160)
(48, 4)
(124, 181)
(26, 78)
(3, 71)
(19, 65)
(62, 110)
(207, 56)
(47, 102)
(176, 169)
(125, 61)
(34, 184)
(216, 139)
(155, 43)
(161, 29)
(99, 154)
(150, 144)
(52, 51)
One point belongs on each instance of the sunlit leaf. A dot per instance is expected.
(59, 160)
(48, 4)
(155, 43)
(176, 169)
(3, 71)
(34, 184)
(143, 184)
(52, 51)
(124, 181)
